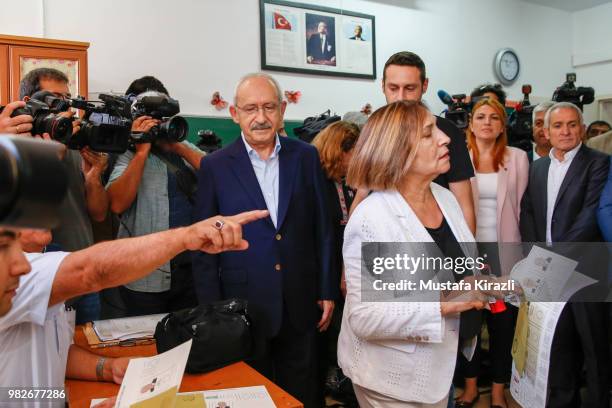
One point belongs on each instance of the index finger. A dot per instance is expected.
(249, 216)
(10, 107)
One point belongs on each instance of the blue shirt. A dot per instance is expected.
(266, 172)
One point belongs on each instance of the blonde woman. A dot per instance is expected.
(401, 354)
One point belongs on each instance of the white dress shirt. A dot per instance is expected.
(556, 174)
(536, 156)
(267, 172)
(35, 338)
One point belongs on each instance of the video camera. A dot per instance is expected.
(458, 109)
(106, 131)
(33, 182)
(520, 122)
(583, 95)
(209, 141)
(172, 129)
(45, 120)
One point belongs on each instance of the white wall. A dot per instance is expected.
(22, 17)
(592, 52)
(198, 46)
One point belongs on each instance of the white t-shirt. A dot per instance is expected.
(486, 227)
(35, 338)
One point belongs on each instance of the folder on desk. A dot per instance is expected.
(125, 331)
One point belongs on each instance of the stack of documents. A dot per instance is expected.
(129, 330)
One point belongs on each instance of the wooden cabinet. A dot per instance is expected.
(20, 55)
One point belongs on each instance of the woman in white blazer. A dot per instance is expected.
(400, 354)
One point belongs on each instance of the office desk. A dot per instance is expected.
(239, 374)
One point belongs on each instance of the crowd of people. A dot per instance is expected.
(281, 223)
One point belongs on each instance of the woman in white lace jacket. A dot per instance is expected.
(400, 354)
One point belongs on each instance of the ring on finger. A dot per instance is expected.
(219, 224)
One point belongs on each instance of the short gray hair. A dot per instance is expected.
(279, 92)
(541, 107)
(562, 105)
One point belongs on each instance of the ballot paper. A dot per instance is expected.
(545, 276)
(244, 397)
(127, 328)
(154, 381)
(529, 387)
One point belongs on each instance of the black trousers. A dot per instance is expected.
(180, 296)
(290, 360)
(580, 340)
(501, 332)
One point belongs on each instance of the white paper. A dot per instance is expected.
(244, 397)
(149, 377)
(543, 274)
(529, 390)
(127, 328)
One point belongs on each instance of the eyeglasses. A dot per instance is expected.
(268, 109)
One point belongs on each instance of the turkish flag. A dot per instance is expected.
(281, 23)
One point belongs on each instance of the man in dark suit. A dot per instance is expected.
(321, 46)
(560, 205)
(286, 271)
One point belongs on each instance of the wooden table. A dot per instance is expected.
(239, 374)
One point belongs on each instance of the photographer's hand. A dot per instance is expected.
(76, 124)
(19, 125)
(93, 166)
(143, 124)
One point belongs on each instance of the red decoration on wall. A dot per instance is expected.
(217, 101)
(293, 96)
(367, 109)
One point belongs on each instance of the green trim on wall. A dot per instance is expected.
(225, 128)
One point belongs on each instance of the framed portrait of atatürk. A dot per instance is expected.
(309, 39)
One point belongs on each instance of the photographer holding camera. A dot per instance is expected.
(86, 199)
(150, 188)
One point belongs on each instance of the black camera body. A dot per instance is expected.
(172, 129)
(105, 127)
(33, 182)
(568, 92)
(520, 122)
(45, 120)
(209, 141)
(459, 111)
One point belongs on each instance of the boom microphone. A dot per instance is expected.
(445, 97)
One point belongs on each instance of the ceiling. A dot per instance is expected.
(569, 5)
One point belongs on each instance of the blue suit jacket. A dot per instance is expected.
(285, 269)
(604, 213)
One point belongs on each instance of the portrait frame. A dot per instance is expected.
(316, 40)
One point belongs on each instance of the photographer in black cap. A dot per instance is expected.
(150, 189)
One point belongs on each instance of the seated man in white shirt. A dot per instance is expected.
(36, 330)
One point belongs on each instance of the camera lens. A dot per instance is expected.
(174, 129)
(58, 127)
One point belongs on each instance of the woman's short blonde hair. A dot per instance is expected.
(387, 146)
(338, 138)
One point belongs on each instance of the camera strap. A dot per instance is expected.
(185, 178)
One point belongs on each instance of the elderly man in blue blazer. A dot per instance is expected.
(285, 273)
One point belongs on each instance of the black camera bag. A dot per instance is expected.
(220, 332)
(313, 125)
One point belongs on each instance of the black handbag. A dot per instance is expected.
(220, 332)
